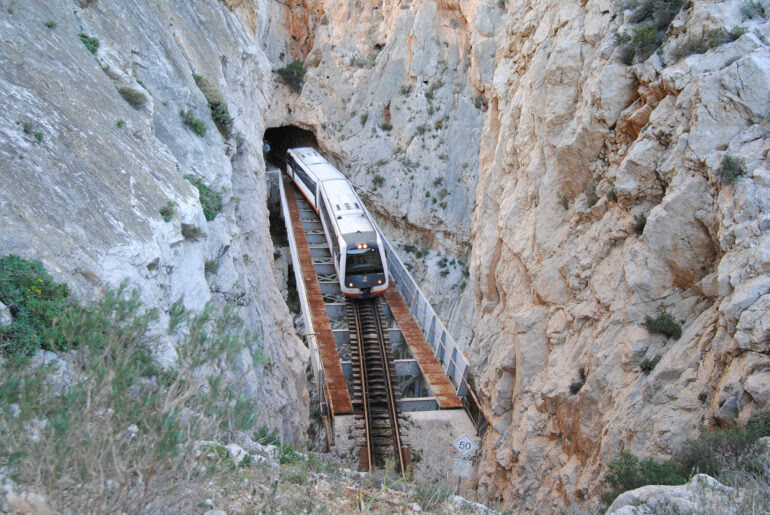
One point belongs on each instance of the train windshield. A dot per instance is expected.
(360, 262)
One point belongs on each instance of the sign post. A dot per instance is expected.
(462, 467)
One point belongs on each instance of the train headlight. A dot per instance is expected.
(350, 284)
(379, 281)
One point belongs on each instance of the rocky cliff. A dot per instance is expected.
(577, 148)
(93, 146)
(584, 176)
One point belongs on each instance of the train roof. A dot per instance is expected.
(345, 206)
(316, 163)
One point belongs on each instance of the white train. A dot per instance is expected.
(356, 246)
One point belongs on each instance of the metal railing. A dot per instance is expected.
(310, 338)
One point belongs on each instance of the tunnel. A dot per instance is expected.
(280, 139)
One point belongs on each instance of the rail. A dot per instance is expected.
(444, 347)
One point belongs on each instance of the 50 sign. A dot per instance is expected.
(465, 445)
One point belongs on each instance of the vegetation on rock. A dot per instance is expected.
(195, 124)
(211, 201)
(35, 301)
(736, 457)
(293, 75)
(113, 421)
(730, 169)
(91, 43)
(664, 323)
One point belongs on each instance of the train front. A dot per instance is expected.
(366, 271)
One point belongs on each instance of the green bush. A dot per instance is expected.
(386, 127)
(708, 39)
(120, 124)
(640, 222)
(39, 136)
(648, 365)
(221, 116)
(656, 16)
(124, 429)
(730, 169)
(378, 180)
(663, 324)
(363, 118)
(293, 75)
(626, 472)
(91, 43)
(50, 24)
(192, 232)
(612, 195)
(752, 9)
(133, 97)
(211, 201)
(195, 124)
(564, 202)
(167, 211)
(35, 300)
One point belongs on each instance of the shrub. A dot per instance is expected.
(211, 201)
(293, 75)
(210, 267)
(648, 365)
(730, 169)
(85, 3)
(708, 39)
(564, 202)
(640, 221)
(39, 136)
(724, 454)
(91, 43)
(194, 123)
(421, 129)
(35, 302)
(438, 181)
(386, 126)
(378, 180)
(363, 118)
(664, 323)
(612, 195)
(133, 97)
(125, 430)
(626, 472)
(120, 124)
(50, 24)
(197, 78)
(167, 211)
(643, 41)
(752, 9)
(590, 191)
(191, 232)
(405, 89)
(221, 116)
(324, 20)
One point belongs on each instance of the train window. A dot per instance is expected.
(363, 262)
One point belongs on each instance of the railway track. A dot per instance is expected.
(375, 400)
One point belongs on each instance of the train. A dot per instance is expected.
(356, 246)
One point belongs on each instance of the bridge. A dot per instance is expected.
(419, 363)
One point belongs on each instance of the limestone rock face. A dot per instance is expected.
(575, 145)
(85, 173)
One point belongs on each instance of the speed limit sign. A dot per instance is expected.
(465, 445)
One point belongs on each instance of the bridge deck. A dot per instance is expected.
(335, 384)
(429, 365)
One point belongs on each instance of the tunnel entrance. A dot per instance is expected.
(283, 138)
